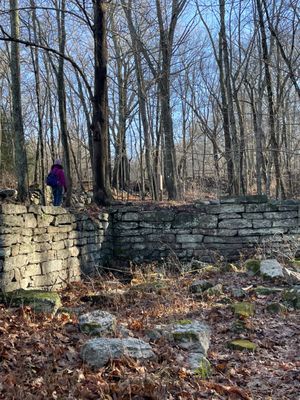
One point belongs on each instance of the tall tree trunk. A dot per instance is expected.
(142, 98)
(19, 139)
(229, 98)
(61, 92)
(271, 115)
(36, 68)
(102, 192)
(166, 47)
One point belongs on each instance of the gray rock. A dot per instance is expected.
(97, 352)
(291, 277)
(271, 268)
(200, 286)
(38, 300)
(97, 323)
(199, 365)
(191, 335)
(292, 297)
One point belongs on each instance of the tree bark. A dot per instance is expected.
(19, 139)
(102, 192)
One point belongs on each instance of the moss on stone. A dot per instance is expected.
(184, 322)
(252, 266)
(239, 326)
(242, 344)
(186, 335)
(204, 370)
(216, 290)
(276, 308)
(243, 309)
(38, 300)
(90, 328)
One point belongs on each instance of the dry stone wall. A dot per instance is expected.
(207, 230)
(47, 247)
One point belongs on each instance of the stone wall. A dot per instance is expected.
(207, 230)
(46, 247)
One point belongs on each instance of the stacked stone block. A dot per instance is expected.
(47, 247)
(207, 230)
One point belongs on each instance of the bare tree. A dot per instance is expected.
(20, 152)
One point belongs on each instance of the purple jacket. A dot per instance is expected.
(59, 172)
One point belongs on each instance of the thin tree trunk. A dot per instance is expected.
(19, 139)
(36, 68)
(61, 92)
(273, 140)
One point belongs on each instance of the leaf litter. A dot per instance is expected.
(39, 355)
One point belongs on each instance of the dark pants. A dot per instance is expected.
(57, 192)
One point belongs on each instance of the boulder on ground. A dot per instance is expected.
(38, 300)
(97, 352)
(271, 269)
(200, 286)
(97, 322)
(292, 297)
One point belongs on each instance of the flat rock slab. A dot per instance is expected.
(271, 268)
(97, 352)
(191, 335)
(97, 322)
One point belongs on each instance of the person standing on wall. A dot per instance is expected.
(57, 181)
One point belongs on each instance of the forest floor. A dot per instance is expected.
(40, 355)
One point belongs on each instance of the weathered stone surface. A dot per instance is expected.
(189, 238)
(39, 301)
(292, 297)
(235, 224)
(11, 220)
(44, 220)
(283, 215)
(199, 365)
(243, 309)
(215, 290)
(200, 286)
(242, 344)
(191, 335)
(291, 277)
(51, 210)
(261, 224)
(97, 322)
(64, 219)
(97, 352)
(12, 209)
(271, 268)
(226, 208)
(193, 220)
(30, 221)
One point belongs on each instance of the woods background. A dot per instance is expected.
(195, 97)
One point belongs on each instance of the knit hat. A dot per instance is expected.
(57, 162)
